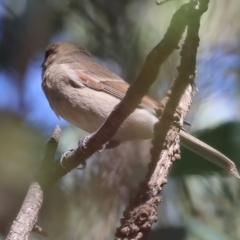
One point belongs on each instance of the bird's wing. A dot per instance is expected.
(106, 81)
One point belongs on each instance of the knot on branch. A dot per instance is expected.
(139, 222)
(159, 141)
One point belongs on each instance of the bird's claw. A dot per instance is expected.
(64, 155)
(83, 166)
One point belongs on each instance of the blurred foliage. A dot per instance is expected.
(88, 204)
(21, 149)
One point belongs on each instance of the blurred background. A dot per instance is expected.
(200, 201)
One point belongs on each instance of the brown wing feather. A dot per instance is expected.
(102, 79)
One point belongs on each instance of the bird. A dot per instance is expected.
(84, 92)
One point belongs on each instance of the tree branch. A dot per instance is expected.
(142, 210)
(27, 216)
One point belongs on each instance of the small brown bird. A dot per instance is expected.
(84, 93)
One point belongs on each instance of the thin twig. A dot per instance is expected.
(39, 230)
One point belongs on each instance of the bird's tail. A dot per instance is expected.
(208, 152)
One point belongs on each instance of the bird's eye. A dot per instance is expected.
(48, 53)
